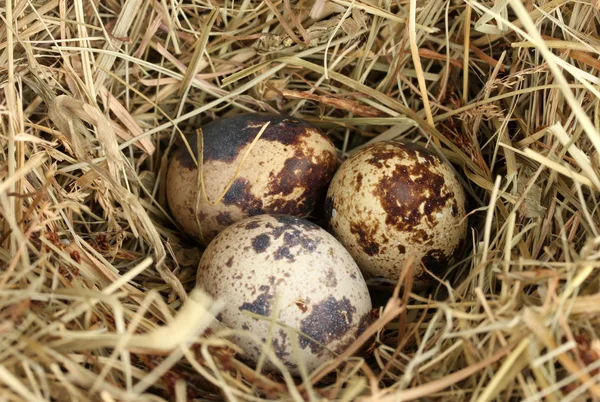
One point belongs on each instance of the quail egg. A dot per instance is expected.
(291, 270)
(391, 200)
(286, 171)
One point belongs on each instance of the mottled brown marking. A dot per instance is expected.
(300, 172)
(239, 194)
(364, 323)
(261, 305)
(411, 150)
(260, 243)
(284, 252)
(330, 278)
(293, 230)
(183, 157)
(402, 193)
(420, 236)
(223, 139)
(252, 225)
(401, 249)
(292, 222)
(229, 262)
(201, 215)
(380, 157)
(224, 218)
(435, 260)
(275, 281)
(366, 237)
(280, 345)
(329, 320)
(358, 182)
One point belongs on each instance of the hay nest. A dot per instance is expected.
(96, 281)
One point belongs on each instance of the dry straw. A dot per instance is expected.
(96, 280)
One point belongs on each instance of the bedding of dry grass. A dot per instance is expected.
(96, 280)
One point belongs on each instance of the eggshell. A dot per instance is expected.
(283, 265)
(286, 172)
(390, 200)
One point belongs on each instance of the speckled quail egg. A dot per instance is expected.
(293, 270)
(390, 200)
(286, 172)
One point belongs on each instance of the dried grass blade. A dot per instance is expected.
(511, 367)
(414, 50)
(13, 383)
(106, 60)
(536, 324)
(127, 120)
(391, 103)
(384, 14)
(442, 383)
(195, 62)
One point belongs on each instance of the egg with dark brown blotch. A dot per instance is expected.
(290, 270)
(286, 171)
(390, 200)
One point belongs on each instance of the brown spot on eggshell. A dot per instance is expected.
(358, 181)
(288, 222)
(260, 306)
(260, 243)
(284, 252)
(330, 279)
(252, 225)
(294, 237)
(364, 323)
(379, 158)
(240, 195)
(412, 193)
(330, 319)
(366, 239)
(280, 343)
(224, 218)
(301, 173)
(435, 260)
(183, 157)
